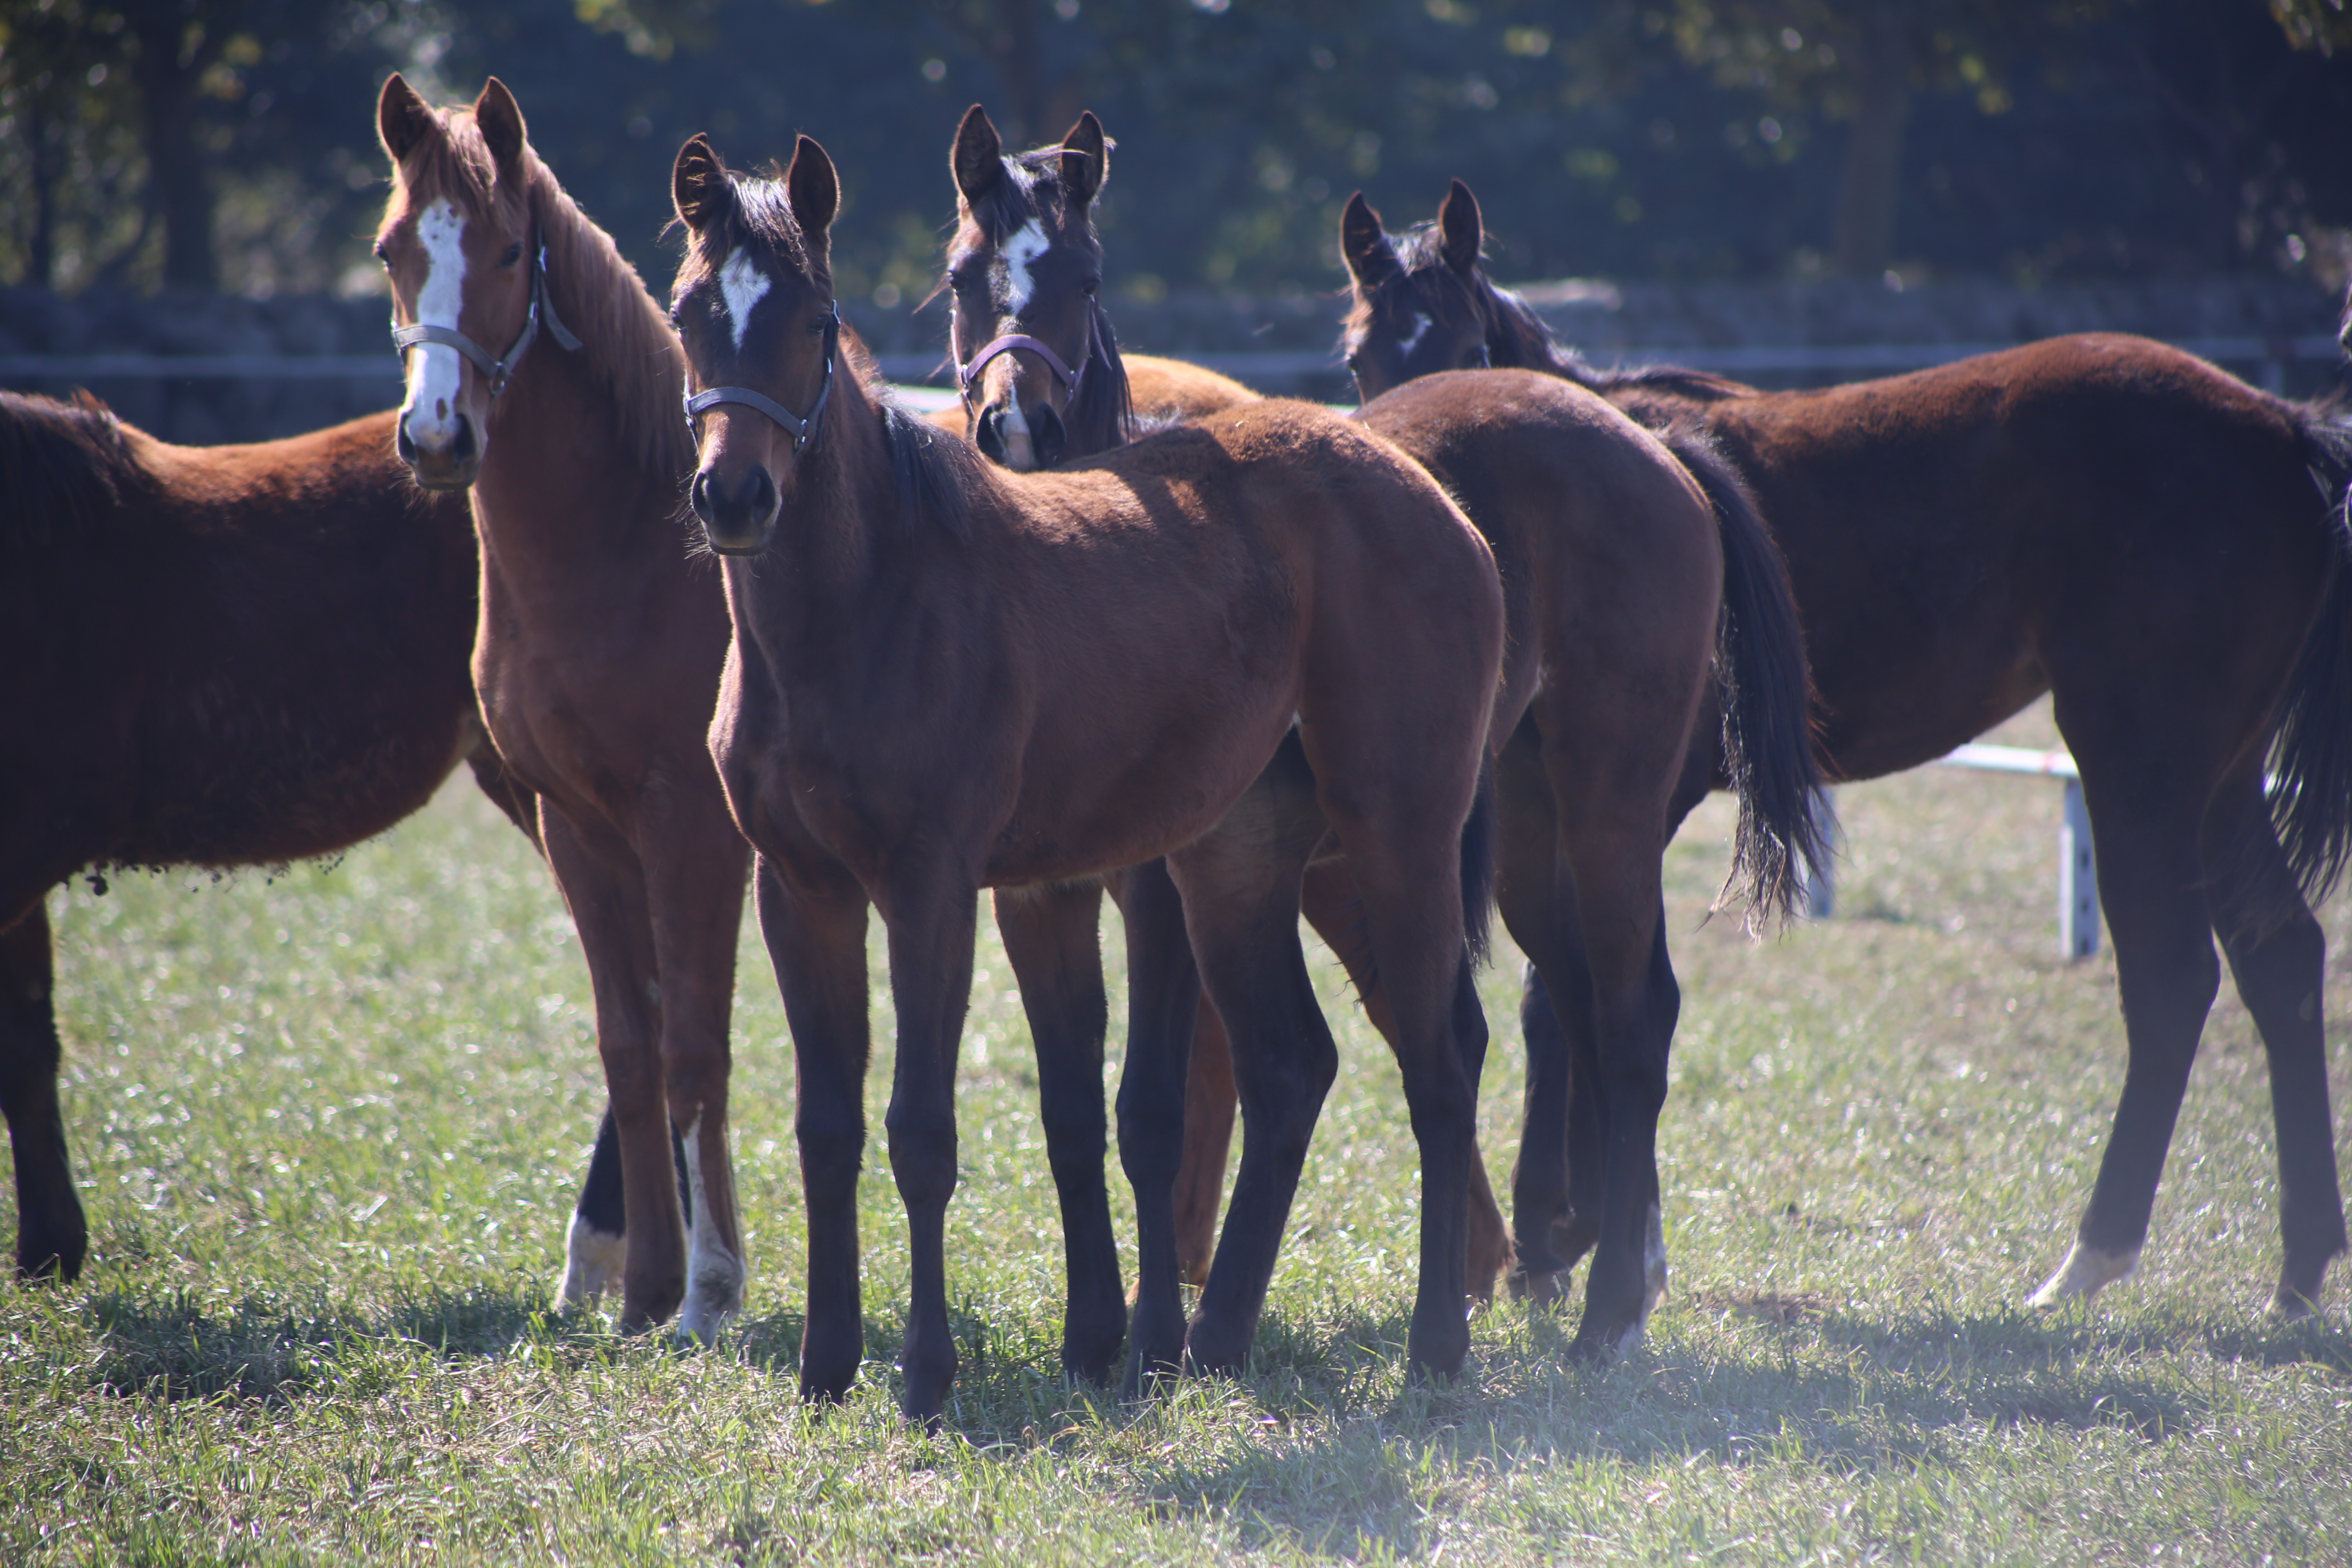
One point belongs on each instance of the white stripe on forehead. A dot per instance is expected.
(1421, 325)
(743, 285)
(1016, 255)
(434, 372)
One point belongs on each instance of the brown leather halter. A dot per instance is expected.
(496, 372)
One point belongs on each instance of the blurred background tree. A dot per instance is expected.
(229, 143)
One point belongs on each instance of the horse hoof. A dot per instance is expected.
(2086, 1271)
(593, 1260)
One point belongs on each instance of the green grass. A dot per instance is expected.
(328, 1129)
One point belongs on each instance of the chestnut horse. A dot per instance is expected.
(598, 659)
(2103, 518)
(1224, 644)
(231, 656)
(1619, 581)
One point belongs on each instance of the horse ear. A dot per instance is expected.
(1085, 161)
(699, 186)
(403, 119)
(500, 119)
(979, 156)
(814, 190)
(1371, 260)
(1464, 235)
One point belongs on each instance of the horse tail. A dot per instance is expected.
(1480, 835)
(1765, 689)
(2311, 751)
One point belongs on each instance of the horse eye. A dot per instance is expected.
(1089, 287)
(513, 255)
(382, 253)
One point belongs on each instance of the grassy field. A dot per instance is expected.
(328, 1129)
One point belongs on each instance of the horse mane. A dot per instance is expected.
(1518, 339)
(932, 472)
(625, 337)
(1102, 415)
(63, 467)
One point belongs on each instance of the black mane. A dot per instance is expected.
(1102, 415)
(1517, 339)
(63, 467)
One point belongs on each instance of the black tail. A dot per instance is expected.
(1478, 840)
(1766, 692)
(2311, 754)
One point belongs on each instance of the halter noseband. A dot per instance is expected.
(803, 432)
(969, 374)
(496, 372)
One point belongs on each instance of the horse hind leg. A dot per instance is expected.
(52, 1238)
(1240, 884)
(2277, 956)
(2166, 974)
(1050, 938)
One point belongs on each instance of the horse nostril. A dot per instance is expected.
(699, 493)
(990, 437)
(461, 450)
(1046, 437)
(759, 495)
(401, 442)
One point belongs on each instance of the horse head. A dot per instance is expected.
(460, 243)
(1031, 343)
(1415, 301)
(754, 305)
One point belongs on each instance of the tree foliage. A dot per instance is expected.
(148, 141)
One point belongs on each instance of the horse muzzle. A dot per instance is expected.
(1022, 442)
(448, 465)
(739, 519)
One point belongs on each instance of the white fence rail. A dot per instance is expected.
(2078, 882)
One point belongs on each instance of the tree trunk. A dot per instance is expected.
(172, 58)
(41, 137)
(1872, 181)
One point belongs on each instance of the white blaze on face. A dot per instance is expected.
(1017, 254)
(435, 370)
(1420, 324)
(743, 285)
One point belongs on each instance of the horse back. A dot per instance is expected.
(258, 653)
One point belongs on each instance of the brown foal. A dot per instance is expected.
(1226, 644)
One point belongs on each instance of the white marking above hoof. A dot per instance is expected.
(714, 1275)
(2086, 1271)
(592, 1261)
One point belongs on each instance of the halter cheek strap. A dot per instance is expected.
(968, 375)
(803, 431)
(496, 372)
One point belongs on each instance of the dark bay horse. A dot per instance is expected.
(216, 656)
(1622, 586)
(2102, 518)
(1225, 645)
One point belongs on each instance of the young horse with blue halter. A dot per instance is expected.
(1225, 646)
(2113, 521)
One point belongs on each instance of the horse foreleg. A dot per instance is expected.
(812, 920)
(598, 877)
(51, 1235)
(2278, 957)
(931, 916)
(695, 868)
(1164, 1001)
(1052, 939)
